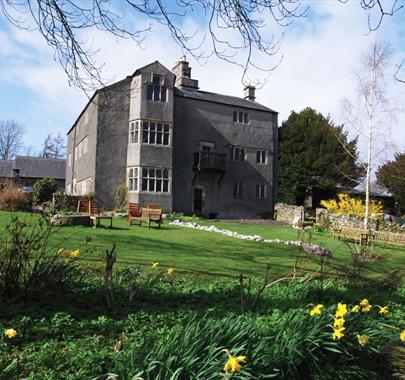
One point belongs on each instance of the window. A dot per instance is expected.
(238, 154)
(70, 159)
(81, 148)
(134, 132)
(155, 180)
(238, 190)
(133, 179)
(155, 90)
(261, 157)
(155, 133)
(85, 145)
(260, 191)
(76, 152)
(240, 117)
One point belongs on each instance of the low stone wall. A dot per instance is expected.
(70, 220)
(338, 220)
(286, 213)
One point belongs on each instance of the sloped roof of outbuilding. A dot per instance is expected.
(38, 167)
(6, 168)
(221, 99)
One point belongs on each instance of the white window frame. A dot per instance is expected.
(261, 189)
(238, 190)
(157, 89)
(150, 128)
(238, 157)
(134, 127)
(260, 153)
(133, 179)
(241, 117)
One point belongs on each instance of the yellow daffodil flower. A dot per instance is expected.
(402, 335)
(234, 362)
(341, 310)
(355, 309)
(60, 251)
(362, 339)
(10, 333)
(75, 253)
(155, 264)
(170, 272)
(339, 323)
(365, 305)
(338, 333)
(317, 310)
(383, 310)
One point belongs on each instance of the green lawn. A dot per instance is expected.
(207, 253)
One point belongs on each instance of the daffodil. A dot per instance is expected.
(383, 310)
(365, 305)
(402, 335)
(355, 309)
(338, 333)
(10, 333)
(338, 323)
(341, 310)
(170, 272)
(362, 339)
(60, 251)
(234, 362)
(75, 253)
(317, 310)
(155, 264)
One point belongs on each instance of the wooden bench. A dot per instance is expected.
(92, 209)
(134, 213)
(148, 215)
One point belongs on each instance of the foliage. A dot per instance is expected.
(183, 218)
(65, 202)
(120, 196)
(392, 176)
(43, 189)
(27, 266)
(347, 205)
(13, 199)
(314, 152)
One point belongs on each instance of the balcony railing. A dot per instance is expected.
(209, 161)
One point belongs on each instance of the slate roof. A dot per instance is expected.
(375, 190)
(219, 98)
(6, 168)
(34, 167)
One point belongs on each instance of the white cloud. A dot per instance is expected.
(320, 55)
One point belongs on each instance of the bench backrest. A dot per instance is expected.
(152, 206)
(83, 206)
(94, 208)
(152, 213)
(134, 210)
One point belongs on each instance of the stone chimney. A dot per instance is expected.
(183, 74)
(250, 93)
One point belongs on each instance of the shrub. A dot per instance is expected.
(13, 199)
(353, 206)
(120, 196)
(43, 189)
(27, 266)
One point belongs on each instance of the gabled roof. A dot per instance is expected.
(221, 99)
(375, 190)
(38, 167)
(6, 168)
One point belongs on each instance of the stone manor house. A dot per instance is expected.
(175, 146)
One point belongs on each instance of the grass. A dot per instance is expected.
(208, 254)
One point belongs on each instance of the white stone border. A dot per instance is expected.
(309, 248)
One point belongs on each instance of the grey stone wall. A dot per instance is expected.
(112, 141)
(199, 121)
(339, 220)
(286, 213)
(85, 166)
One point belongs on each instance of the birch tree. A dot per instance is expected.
(371, 112)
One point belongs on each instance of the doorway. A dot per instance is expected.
(198, 200)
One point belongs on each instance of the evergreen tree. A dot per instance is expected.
(314, 153)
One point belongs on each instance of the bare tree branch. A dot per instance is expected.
(11, 139)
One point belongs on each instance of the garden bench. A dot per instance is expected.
(134, 213)
(92, 209)
(149, 215)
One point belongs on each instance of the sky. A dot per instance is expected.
(319, 56)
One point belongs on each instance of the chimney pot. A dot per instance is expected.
(250, 93)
